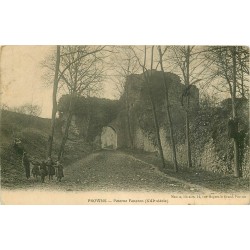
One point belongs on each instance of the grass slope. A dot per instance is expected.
(33, 132)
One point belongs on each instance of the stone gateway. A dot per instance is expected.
(109, 138)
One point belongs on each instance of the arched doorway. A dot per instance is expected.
(109, 138)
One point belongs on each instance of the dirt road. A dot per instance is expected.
(116, 171)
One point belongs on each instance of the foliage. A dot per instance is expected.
(98, 112)
(27, 109)
(211, 125)
(143, 108)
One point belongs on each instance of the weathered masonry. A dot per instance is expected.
(135, 120)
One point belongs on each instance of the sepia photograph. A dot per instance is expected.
(124, 124)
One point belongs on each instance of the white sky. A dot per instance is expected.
(169, 23)
(22, 81)
(21, 78)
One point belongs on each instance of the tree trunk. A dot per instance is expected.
(241, 77)
(157, 129)
(189, 159)
(66, 132)
(147, 78)
(236, 145)
(168, 113)
(156, 123)
(65, 136)
(86, 134)
(128, 118)
(54, 109)
(188, 141)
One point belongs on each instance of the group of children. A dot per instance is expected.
(43, 168)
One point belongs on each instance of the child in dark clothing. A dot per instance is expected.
(43, 171)
(26, 164)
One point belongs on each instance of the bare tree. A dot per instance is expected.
(147, 74)
(181, 58)
(168, 110)
(242, 71)
(82, 73)
(54, 100)
(188, 63)
(220, 70)
(125, 64)
(77, 70)
(231, 69)
(234, 83)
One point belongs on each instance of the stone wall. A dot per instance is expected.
(143, 142)
(203, 157)
(206, 159)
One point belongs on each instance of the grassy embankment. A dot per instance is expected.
(33, 132)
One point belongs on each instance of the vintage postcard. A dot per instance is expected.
(124, 125)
